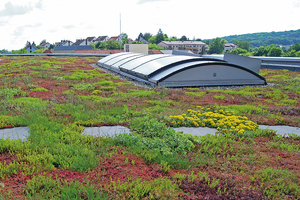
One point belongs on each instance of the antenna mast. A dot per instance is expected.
(120, 34)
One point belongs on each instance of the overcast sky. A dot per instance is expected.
(54, 20)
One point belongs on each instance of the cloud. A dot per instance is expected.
(39, 4)
(148, 1)
(69, 26)
(20, 30)
(296, 3)
(12, 10)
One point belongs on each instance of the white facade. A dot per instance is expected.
(229, 47)
(136, 48)
(194, 46)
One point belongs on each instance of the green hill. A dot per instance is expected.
(267, 38)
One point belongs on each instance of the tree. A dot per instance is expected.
(183, 38)
(43, 41)
(261, 51)
(239, 51)
(52, 46)
(147, 36)
(124, 38)
(21, 51)
(174, 38)
(154, 46)
(296, 47)
(242, 44)
(160, 36)
(216, 46)
(27, 44)
(275, 52)
(152, 39)
(33, 44)
(140, 35)
(4, 51)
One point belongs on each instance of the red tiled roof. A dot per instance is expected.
(155, 51)
(48, 51)
(99, 51)
(113, 38)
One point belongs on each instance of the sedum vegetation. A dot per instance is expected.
(57, 97)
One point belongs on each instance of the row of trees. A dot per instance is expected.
(271, 50)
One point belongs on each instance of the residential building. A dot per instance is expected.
(116, 38)
(179, 52)
(82, 42)
(141, 39)
(31, 48)
(101, 39)
(64, 43)
(91, 39)
(194, 46)
(229, 47)
(45, 45)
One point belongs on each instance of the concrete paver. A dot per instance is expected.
(112, 131)
(282, 130)
(107, 131)
(15, 133)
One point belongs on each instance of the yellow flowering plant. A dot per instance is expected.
(224, 121)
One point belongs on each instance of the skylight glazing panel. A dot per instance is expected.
(139, 61)
(154, 65)
(125, 60)
(107, 58)
(119, 58)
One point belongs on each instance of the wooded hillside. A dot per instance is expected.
(267, 38)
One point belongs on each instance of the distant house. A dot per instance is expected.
(101, 39)
(82, 42)
(285, 47)
(91, 39)
(116, 38)
(179, 52)
(45, 45)
(64, 43)
(130, 41)
(194, 46)
(141, 39)
(229, 47)
(31, 48)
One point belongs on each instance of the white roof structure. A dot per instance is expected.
(180, 71)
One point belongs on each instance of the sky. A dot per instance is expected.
(55, 20)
